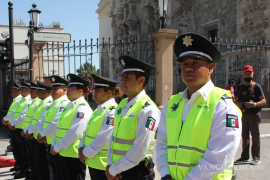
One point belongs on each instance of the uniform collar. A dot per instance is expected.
(27, 97)
(18, 97)
(203, 91)
(61, 98)
(35, 99)
(74, 103)
(136, 98)
(49, 97)
(106, 104)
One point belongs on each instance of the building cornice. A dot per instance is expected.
(102, 6)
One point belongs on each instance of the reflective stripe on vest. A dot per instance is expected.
(64, 123)
(99, 161)
(38, 113)
(124, 133)
(19, 110)
(30, 113)
(50, 114)
(187, 145)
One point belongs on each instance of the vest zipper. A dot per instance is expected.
(177, 148)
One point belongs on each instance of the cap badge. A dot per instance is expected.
(123, 62)
(53, 79)
(69, 78)
(187, 41)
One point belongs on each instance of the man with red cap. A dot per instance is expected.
(250, 99)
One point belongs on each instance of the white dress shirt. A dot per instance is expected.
(36, 127)
(20, 119)
(10, 116)
(103, 137)
(32, 101)
(223, 142)
(143, 137)
(77, 127)
(52, 127)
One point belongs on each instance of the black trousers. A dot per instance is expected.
(40, 159)
(19, 149)
(71, 168)
(250, 123)
(14, 147)
(97, 174)
(139, 172)
(31, 156)
(53, 163)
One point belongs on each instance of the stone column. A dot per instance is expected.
(37, 61)
(164, 39)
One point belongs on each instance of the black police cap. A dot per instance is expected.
(58, 81)
(76, 80)
(25, 85)
(33, 85)
(132, 65)
(43, 86)
(195, 45)
(101, 82)
(16, 86)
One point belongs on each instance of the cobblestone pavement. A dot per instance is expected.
(243, 171)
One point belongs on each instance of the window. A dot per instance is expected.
(212, 34)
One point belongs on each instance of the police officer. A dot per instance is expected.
(29, 115)
(135, 122)
(40, 158)
(200, 128)
(49, 125)
(16, 125)
(16, 95)
(71, 125)
(95, 142)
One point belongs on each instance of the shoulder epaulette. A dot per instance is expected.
(226, 96)
(113, 107)
(147, 103)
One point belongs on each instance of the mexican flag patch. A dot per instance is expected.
(80, 115)
(61, 109)
(150, 123)
(232, 121)
(110, 121)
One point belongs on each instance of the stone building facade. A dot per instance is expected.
(223, 21)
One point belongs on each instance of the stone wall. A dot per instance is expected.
(253, 19)
(203, 15)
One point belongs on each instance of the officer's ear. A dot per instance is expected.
(211, 67)
(141, 80)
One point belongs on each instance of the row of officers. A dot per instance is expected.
(56, 135)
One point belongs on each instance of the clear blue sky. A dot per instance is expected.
(77, 17)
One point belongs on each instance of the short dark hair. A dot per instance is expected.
(140, 74)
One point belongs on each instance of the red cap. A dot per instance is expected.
(248, 68)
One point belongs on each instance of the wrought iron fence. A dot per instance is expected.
(235, 55)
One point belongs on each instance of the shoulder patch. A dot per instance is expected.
(48, 107)
(61, 109)
(232, 121)
(150, 123)
(147, 103)
(80, 115)
(113, 107)
(110, 121)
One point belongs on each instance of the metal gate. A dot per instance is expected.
(21, 74)
(77, 57)
(235, 55)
